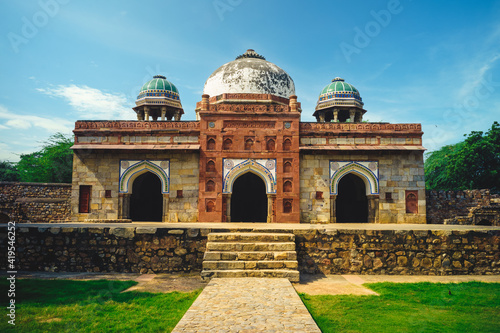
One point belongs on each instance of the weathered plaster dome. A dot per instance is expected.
(250, 73)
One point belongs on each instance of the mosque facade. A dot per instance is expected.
(247, 157)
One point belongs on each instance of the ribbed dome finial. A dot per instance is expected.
(250, 54)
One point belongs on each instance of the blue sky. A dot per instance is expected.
(430, 62)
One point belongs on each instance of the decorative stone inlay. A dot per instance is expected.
(366, 170)
(288, 125)
(246, 124)
(233, 168)
(131, 169)
(211, 124)
(361, 127)
(137, 125)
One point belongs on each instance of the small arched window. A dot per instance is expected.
(228, 143)
(287, 206)
(248, 144)
(287, 186)
(210, 186)
(210, 206)
(211, 144)
(287, 167)
(210, 166)
(271, 145)
(287, 144)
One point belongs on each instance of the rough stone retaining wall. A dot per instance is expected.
(443, 205)
(34, 202)
(147, 250)
(87, 249)
(403, 252)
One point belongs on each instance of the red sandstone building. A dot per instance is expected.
(247, 157)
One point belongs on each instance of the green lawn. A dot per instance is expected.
(411, 307)
(91, 306)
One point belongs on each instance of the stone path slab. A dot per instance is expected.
(247, 305)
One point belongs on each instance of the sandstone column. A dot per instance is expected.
(373, 201)
(228, 207)
(166, 199)
(333, 208)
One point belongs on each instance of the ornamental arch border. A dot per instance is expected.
(254, 167)
(130, 170)
(367, 171)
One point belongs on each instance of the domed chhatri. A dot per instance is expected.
(158, 98)
(339, 101)
(250, 73)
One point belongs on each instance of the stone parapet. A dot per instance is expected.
(322, 250)
(399, 252)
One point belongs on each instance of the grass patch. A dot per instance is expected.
(92, 306)
(411, 307)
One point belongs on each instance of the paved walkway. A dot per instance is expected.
(247, 305)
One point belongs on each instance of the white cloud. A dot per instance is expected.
(19, 121)
(91, 103)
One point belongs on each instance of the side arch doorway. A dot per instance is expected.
(351, 203)
(146, 201)
(249, 199)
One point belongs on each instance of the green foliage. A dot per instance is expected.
(8, 172)
(92, 306)
(52, 164)
(471, 164)
(410, 307)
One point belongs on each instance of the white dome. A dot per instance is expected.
(250, 73)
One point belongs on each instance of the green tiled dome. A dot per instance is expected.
(339, 90)
(339, 85)
(161, 86)
(339, 94)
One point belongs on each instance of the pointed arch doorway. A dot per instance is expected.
(352, 202)
(249, 199)
(146, 201)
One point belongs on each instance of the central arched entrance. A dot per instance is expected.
(146, 201)
(249, 199)
(351, 203)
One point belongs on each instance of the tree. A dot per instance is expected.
(472, 163)
(52, 164)
(8, 172)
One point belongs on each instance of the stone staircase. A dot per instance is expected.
(250, 254)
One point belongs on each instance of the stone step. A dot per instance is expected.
(246, 247)
(252, 255)
(247, 237)
(292, 275)
(250, 265)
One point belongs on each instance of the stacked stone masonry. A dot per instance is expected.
(156, 250)
(443, 205)
(399, 252)
(101, 171)
(34, 202)
(398, 172)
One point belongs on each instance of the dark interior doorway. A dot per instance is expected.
(351, 203)
(249, 199)
(146, 201)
